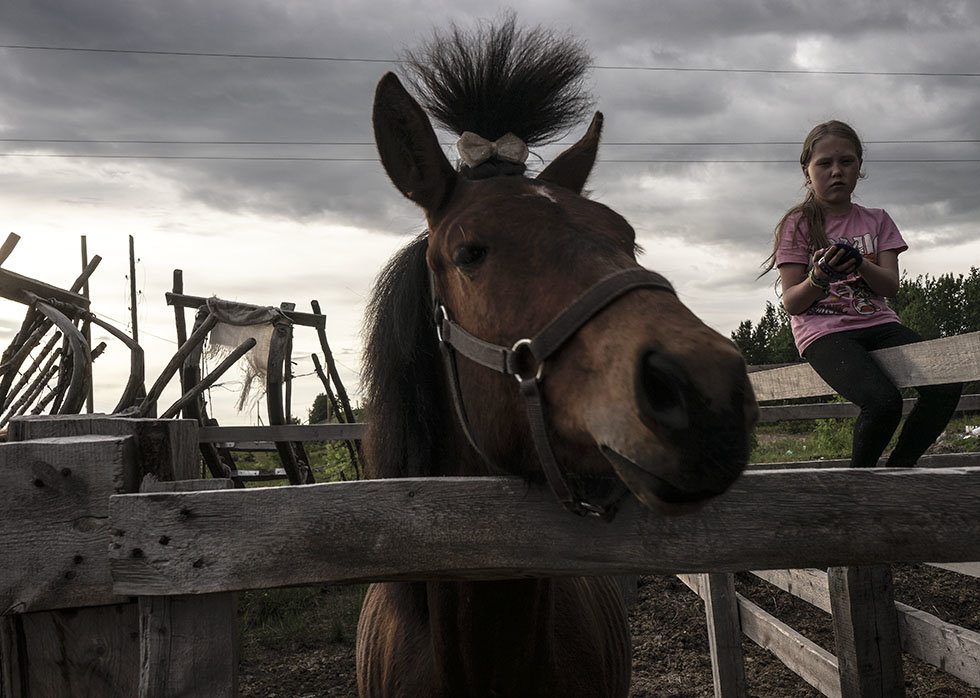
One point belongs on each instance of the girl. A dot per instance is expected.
(837, 262)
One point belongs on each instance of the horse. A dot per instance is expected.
(620, 389)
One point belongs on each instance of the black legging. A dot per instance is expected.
(842, 359)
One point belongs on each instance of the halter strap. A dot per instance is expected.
(525, 361)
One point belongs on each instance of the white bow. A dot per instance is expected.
(476, 150)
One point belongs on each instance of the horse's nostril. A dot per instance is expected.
(660, 392)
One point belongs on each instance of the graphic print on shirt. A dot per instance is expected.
(852, 294)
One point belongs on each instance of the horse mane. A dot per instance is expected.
(500, 79)
(401, 370)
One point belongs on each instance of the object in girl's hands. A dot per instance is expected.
(850, 252)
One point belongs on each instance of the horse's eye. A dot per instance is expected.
(469, 256)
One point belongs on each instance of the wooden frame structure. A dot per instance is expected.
(169, 549)
(218, 457)
(66, 315)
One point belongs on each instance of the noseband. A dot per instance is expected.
(525, 361)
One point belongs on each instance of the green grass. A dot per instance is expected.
(828, 439)
(298, 618)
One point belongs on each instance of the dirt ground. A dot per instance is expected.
(670, 646)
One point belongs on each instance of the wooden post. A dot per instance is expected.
(189, 643)
(69, 634)
(87, 328)
(869, 651)
(724, 634)
(132, 289)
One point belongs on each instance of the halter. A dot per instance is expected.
(525, 361)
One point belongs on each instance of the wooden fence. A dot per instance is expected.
(86, 530)
(871, 629)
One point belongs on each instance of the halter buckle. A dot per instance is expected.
(440, 316)
(525, 345)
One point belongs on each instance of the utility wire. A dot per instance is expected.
(128, 141)
(106, 156)
(347, 59)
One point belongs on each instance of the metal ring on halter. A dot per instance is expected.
(526, 344)
(440, 310)
(591, 509)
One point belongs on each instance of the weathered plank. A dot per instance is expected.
(839, 410)
(944, 645)
(502, 527)
(810, 585)
(869, 652)
(166, 448)
(79, 652)
(971, 569)
(724, 635)
(937, 460)
(188, 646)
(804, 657)
(946, 360)
(20, 288)
(55, 524)
(285, 432)
(180, 300)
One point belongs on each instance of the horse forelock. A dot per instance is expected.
(401, 371)
(502, 79)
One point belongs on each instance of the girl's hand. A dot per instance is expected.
(818, 271)
(839, 261)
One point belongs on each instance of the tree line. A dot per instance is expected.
(933, 306)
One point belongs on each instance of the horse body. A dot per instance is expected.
(642, 394)
(543, 637)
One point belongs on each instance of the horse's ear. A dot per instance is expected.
(571, 169)
(409, 149)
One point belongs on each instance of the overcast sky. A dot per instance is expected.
(301, 221)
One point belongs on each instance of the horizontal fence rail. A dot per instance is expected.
(284, 432)
(484, 528)
(947, 360)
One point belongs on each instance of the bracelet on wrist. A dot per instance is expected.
(817, 283)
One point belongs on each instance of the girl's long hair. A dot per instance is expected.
(809, 212)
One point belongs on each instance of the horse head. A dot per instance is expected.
(641, 390)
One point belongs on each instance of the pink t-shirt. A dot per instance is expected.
(851, 304)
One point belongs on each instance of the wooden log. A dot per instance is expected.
(188, 644)
(8, 246)
(485, 528)
(947, 360)
(724, 635)
(869, 654)
(54, 526)
(297, 468)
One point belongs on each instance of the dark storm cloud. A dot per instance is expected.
(49, 94)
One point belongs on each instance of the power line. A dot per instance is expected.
(108, 156)
(347, 59)
(134, 141)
